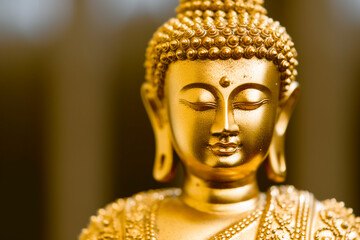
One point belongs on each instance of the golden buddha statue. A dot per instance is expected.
(220, 88)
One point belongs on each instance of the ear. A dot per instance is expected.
(153, 105)
(164, 168)
(276, 168)
(287, 105)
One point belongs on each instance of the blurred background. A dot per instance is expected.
(73, 132)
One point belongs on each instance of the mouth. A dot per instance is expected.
(224, 149)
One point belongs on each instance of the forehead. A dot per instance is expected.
(211, 72)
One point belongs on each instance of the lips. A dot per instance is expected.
(224, 149)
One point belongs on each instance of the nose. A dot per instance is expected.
(224, 123)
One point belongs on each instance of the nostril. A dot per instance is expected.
(226, 133)
(216, 134)
(233, 133)
(230, 133)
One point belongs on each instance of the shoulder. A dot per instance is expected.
(298, 215)
(106, 224)
(126, 217)
(332, 220)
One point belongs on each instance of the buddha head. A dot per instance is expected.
(220, 88)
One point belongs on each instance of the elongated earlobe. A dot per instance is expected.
(276, 164)
(164, 166)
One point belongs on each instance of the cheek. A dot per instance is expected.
(256, 127)
(190, 129)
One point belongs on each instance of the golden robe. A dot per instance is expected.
(287, 213)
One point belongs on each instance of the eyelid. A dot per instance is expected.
(250, 105)
(249, 95)
(198, 95)
(199, 106)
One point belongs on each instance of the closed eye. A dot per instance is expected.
(248, 106)
(199, 106)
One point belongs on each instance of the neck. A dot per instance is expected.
(220, 197)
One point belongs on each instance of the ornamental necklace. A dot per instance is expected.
(151, 231)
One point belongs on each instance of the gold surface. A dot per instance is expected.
(220, 90)
(284, 213)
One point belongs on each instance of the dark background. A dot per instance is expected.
(73, 132)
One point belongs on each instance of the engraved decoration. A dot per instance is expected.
(339, 222)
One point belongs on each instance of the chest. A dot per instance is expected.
(206, 228)
(158, 218)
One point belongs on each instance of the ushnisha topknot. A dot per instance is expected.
(220, 29)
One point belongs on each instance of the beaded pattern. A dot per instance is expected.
(339, 222)
(286, 214)
(131, 218)
(140, 214)
(239, 5)
(220, 29)
(107, 224)
(238, 227)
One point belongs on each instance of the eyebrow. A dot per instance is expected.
(206, 86)
(238, 89)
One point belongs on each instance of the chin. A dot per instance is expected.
(233, 160)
